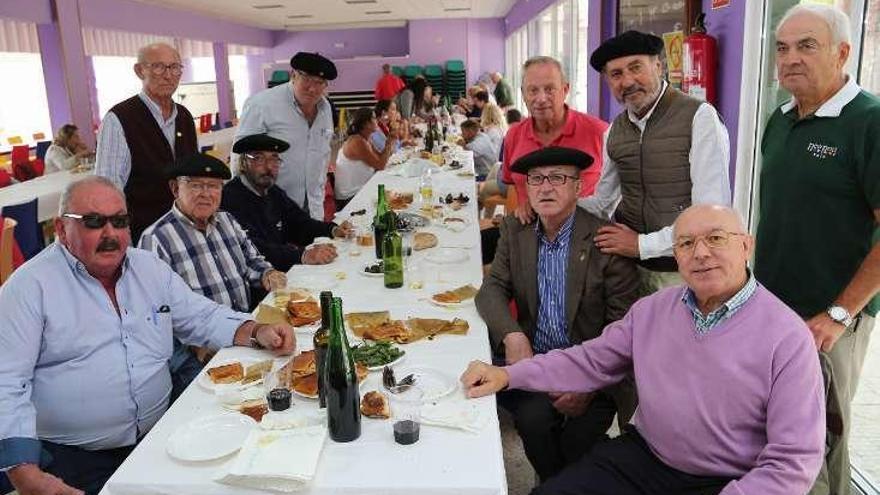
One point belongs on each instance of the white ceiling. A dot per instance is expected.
(295, 15)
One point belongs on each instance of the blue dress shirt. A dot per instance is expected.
(552, 332)
(76, 372)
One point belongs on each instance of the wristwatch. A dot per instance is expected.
(254, 342)
(840, 315)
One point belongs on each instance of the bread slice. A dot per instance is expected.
(374, 404)
(303, 313)
(228, 373)
(256, 371)
(424, 240)
(256, 408)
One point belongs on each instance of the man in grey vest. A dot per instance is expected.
(663, 153)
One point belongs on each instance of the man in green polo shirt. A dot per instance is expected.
(820, 204)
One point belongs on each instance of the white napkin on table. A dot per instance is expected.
(458, 414)
(278, 460)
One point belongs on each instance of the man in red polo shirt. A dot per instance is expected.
(388, 85)
(551, 123)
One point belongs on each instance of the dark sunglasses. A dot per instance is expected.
(95, 221)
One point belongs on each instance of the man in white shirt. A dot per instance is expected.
(485, 153)
(299, 114)
(665, 152)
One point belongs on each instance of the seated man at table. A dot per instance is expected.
(274, 222)
(87, 335)
(208, 249)
(731, 398)
(565, 291)
(485, 153)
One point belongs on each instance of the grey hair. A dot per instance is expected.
(837, 20)
(142, 51)
(541, 60)
(71, 189)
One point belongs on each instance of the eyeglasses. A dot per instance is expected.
(553, 179)
(96, 221)
(310, 80)
(269, 160)
(200, 187)
(717, 239)
(158, 68)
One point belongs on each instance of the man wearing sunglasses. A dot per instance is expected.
(565, 291)
(208, 249)
(275, 223)
(731, 397)
(87, 335)
(299, 114)
(142, 135)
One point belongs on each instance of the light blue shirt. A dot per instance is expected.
(485, 153)
(705, 323)
(112, 156)
(552, 332)
(378, 138)
(276, 112)
(76, 372)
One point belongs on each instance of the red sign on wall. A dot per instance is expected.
(717, 4)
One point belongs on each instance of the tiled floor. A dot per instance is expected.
(865, 440)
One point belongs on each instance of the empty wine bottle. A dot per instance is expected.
(320, 340)
(340, 382)
(379, 219)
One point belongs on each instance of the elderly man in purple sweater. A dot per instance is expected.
(730, 393)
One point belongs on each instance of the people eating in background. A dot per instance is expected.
(357, 160)
(66, 151)
(387, 116)
(477, 141)
(494, 125)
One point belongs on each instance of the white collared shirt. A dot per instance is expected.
(834, 105)
(709, 158)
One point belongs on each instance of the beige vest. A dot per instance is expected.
(654, 166)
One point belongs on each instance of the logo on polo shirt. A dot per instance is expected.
(821, 151)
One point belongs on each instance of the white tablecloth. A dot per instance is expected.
(47, 189)
(443, 461)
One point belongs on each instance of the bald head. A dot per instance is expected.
(72, 194)
(724, 216)
(153, 50)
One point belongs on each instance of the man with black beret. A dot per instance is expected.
(664, 152)
(274, 223)
(207, 248)
(565, 290)
(299, 114)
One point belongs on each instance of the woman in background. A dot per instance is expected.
(66, 150)
(358, 160)
(494, 125)
(386, 116)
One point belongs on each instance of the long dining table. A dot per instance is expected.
(444, 460)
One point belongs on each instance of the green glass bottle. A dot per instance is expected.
(341, 383)
(379, 219)
(392, 259)
(320, 340)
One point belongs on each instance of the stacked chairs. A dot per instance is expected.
(397, 70)
(410, 72)
(456, 80)
(434, 76)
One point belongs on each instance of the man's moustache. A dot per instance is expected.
(108, 244)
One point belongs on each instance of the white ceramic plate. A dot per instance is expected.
(211, 437)
(454, 226)
(205, 380)
(296, 392)
(447, 255)
(433, 382)
(365, 273)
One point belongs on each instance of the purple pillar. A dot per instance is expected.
(221, 71)
(594, 39)
(74, 65)
(53, 73)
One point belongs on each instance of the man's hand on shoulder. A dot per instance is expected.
(524, 213)
(29, 479)
(517, 347)
(618, 239)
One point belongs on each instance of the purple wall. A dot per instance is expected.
(478, 42)
(524, 11)
(388, 42)
(53, 74)
(36, 11)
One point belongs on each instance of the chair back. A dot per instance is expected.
(20, 154)
(7, 228)
(28, 233)
(42, 148)
(24, 171)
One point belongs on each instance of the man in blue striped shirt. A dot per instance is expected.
(565, 291)
(207, 248)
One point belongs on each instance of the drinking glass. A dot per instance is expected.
(406, 409)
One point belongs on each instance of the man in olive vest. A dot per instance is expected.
(663, 153)
(142, 136)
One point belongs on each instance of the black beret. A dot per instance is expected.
(628, 43)
(259, 142)
(314, 65)
(553, 155)
(200, 165)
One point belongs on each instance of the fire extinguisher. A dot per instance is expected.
(700, 63)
